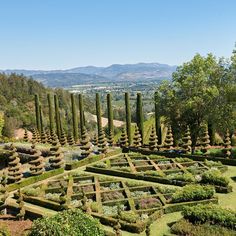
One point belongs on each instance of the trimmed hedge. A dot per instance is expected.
(34, 179)
(214, 177)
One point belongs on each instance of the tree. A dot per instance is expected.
(139, 115)
(128, 118)
(153, 140)
(74, 118)
(36, 161)
(1, 122)
(86, 144)
(110, 120)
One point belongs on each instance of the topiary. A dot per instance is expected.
(102, 142)
(187, 142)
(57, 161)
(227, 145)
(153, 140)
(169, 141)
(123, 139)
(205, 140)
(85, 144)
(69, 222)
(137, 140)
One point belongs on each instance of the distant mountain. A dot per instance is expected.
(93, 74)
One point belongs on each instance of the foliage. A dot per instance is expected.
(193, 193)
(129, 216)
(1, 122)
(214, 177)
(29, 191)
(187, 177)
(150, 202)
(4, 230)
(182, 159)
(70, 222)
(212, 214)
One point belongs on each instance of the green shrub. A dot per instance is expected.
(193, 193)
(214, 177)
(129, 216)
(210, 213)
(71, 222)
(183, 159)
(94, 206)
(186, 177)
(212, 163)
(35, 192)
(154, 173)
(4, 230)
(184, 227)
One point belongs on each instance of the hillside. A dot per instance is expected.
(93, 74)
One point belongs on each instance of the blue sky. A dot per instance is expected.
(59, 34)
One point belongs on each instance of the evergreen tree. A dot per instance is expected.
(86, 145)
(57, 116)
(14, 169)
(37, 111)
(81, 114)
(98, 113)
(34, 136)
(128, 118)
(26, 138)
(158, 119)
(102, 142)
(139, 116)
(63, 139)
(95, 139)
(110, 121)
(205, 140)
(43, 136)
(153, 141)
(169, 141)
(227, 145)
(71, 140)
(50, 112)
(123, 139)
(20, 201)
(36, 161)
(74, 118)
(137, 140)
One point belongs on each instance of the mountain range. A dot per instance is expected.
(93, 74)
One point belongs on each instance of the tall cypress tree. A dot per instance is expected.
(128, 118)
(110, 120)
(74, 118)
(98, 112)
(81, 114)
(157, 119)
(57, 116)
(37, 112)
(139, 115)
(211, 132)
(41, 118)
(50, 107)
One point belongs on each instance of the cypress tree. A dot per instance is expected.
(86, 145)
(14, 169)
(36, 161)
(57, 116)
(81, 114)
(37, 111)
(98, 113)
(57, 159)
(50, 112)
(137, 140)
(74, 118)
(41, 119)
(153, 141)
(128, 118)
(26, 138)
(205, 141)
(187, 142)
(169, 141)
(227, 145)
(157, 120)
(123, 139)
(102, 142)
(139, 115)
(110, 120)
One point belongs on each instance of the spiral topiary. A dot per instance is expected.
(14, 169)
(95, 140)
(34, 136)
(36, 161)
(205, 140)
(187, 142)
(123, 139)
(137, 138)
(102, 142)
(43, 136)
(63, 139)
(26, 138)
(57, 159)
(169, 141)
(86, 145)
(227, 145)
(153, 140)
(71, 140)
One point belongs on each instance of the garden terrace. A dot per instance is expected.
(109, 198)
(155, 168)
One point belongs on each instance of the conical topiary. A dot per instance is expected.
(63, 139)
(187, 142)
(57, 159)
(36, 161)
(102, 142)
(227, 145)
(71, 140)
(153, 141)
(137, 138)
(95, 140)
(205, 140)
(43, 136)
(14, 169)
(48, 135)
(34, 136)
(26, 138)
(123, 139)
(86, 145)
(110, 138)
(169, 141)
(38, 136)
(3, 190)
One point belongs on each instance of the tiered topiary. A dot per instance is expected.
(34, 135)
(43, 136)
(26, 138)
(137, 138)
(227, 145)
(71, 140)
(38, 136)
(169, 141)
(95, 140)
(63, 139)
(205, 140)
(36, 161)
(20, 201)
(14, 169)
(57, 161)
(187, 142)
(102, 142)
(153, 141)
(86, 145)
(123, 139)
(3, 191)
(110, 138)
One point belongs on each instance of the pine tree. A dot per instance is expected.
(14, 169)
(86, 145)
(57, 159)
(227, 145)
(169, 141)
(187, 142)
(36, 161)
(102, 142)
(26, 139)
(137, 138)
(153, 141)
(63, 139)
(123, 139)
(205, 140)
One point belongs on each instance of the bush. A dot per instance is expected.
(35, 192)
(183, 159)
(186, 177)
(129, 216)
(184, 227)
(214, 177)
(70, 222)
(210, 213)
(193, 193)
